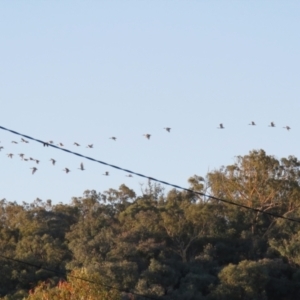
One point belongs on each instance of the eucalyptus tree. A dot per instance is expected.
(259, 181)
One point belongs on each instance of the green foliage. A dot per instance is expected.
(174, 245)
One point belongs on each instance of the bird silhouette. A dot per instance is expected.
(34, 169)
(1, 148)
(76, 144)
(90, 146)
(53, 161)
(14, 142)
(147, 135)
(106, 173)
(22, 156)
(287, 127)
(252, 123)
(60, 144)
(37, 161)
(272, 124)
(113, 138)
(10, 155)
(24, 141)
(168, 129)
(129, 175)
(221, 126)
(81, 167)
(50, 142)
(66, 170)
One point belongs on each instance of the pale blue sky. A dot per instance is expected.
(88, 70)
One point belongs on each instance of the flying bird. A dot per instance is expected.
(1, 148)
(14, 142)
(53, 161)
(33, 170)
(129, 175)
(90, 146)
(287, 127)
(81, 167)
(168, 129)
(66, 170)
(76, 144)
(24, 141)
(22, 156)
(106, 173)
(147, 136)
(60, 144)
(10, 155)
(221, 126)
(272, 124)
(252, 123)
(50, 142)
(37, 161)
(113, 138)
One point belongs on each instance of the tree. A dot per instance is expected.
(259, 181)
(75, 289)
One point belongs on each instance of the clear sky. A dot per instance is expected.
(87, 70)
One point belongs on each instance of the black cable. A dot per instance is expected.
(46, 144)
(76, 277)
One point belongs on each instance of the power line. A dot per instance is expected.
(46, 144)
(73, 276)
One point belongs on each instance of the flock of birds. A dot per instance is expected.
(272, 124)
(53, 161)
(81, 167)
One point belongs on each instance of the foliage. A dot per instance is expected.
(166, 245)
(74, 289)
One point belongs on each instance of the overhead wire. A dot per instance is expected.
(46, 144)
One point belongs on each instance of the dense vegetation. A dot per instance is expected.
(175, 245)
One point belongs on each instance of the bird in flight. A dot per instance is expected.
(81, 167)
(221, 126)
(76, 144)
(129, 175)
(37, 161)
(33, 170)
(53, 161)
(24, 141)
(14, 142)
(168, 129)
(60, 144)
(287, 127)
(113, 138)
(1, 148)
(272, 124)
(22, 156)
(252, 123)
(90, 146)
(106, 173)
(10, 155)
(147, 135)
(66, 170)
(50, 142)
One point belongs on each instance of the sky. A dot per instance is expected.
(84, 71)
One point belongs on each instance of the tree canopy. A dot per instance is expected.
(165, 245)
